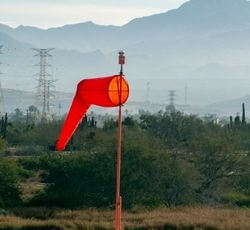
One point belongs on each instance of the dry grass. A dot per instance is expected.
(162, 219)
(31, 186)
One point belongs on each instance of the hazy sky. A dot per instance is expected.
(51, 13)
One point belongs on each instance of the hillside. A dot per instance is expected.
(19, 65)
(195, 18)
(203, 45)
(23, 99)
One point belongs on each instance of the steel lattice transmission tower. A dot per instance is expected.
(2, 109)
(45, 83)
(172, 95)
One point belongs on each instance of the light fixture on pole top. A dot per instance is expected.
(121, 60)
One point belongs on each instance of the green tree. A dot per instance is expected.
(18, 116)
(216, 156)
(175, 128)
(129, 122)
(109, 124)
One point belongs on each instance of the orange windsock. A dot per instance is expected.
(106, 92)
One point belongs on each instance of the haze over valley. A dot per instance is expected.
(200, 49)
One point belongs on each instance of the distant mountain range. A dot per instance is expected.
(194, 19)
(231, 107)
(204, 45)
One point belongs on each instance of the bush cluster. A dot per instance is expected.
(168, 159)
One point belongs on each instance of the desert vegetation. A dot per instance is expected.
(178, 172)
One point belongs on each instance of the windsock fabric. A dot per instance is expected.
(106, 92)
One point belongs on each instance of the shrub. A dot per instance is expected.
(237, 198)
(149, 177)
(9, 189)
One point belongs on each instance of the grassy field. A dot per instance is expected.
(185, 218)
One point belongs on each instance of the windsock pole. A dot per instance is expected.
(118, 203)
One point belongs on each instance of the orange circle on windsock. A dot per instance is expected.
(118, 90)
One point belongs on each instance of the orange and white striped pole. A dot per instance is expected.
(118, 202)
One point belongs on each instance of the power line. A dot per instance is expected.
(45, 83)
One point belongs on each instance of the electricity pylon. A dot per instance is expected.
(172, 95)
(45, 83)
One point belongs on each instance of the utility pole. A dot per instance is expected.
(45, 83)
(2, 107)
